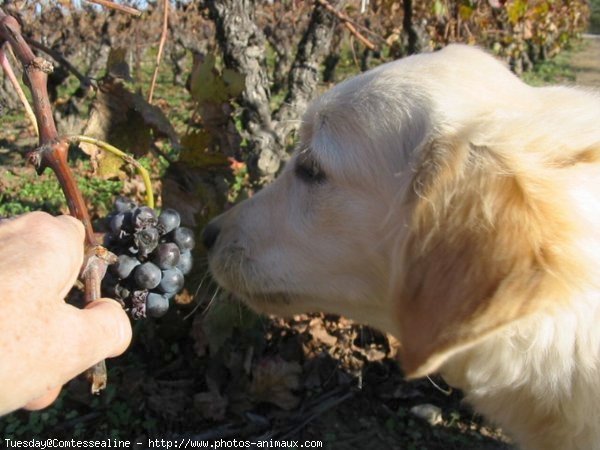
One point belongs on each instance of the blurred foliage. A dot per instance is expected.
(520, 31)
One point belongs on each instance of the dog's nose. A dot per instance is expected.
(210, 235)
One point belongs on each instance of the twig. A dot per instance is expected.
(52, 152)
(163, 38)
(118, 7)
(97, 259)
(125, 157)
(319, 410)
(36, 69)
(347, 23)
(85, 81)
(5, 64)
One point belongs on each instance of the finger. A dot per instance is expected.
(55, 344)
(112, 324)
(36, 245)
(101, 330)
(75, 232)
(73, 225)
(76, 339)
(43, 401)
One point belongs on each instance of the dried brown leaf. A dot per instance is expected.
(211, 404)
(126, 120)
(273, 382)
(318, 331)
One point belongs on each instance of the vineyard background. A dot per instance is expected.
(235, 78)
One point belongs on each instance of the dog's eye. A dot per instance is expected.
(308, 170)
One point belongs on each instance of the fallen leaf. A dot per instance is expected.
(273, 381)
(211, 404)
(318, 331)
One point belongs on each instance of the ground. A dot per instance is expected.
(586, 62)
(315, 378)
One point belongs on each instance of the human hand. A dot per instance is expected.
(44, 342)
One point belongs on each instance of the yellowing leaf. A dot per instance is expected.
(516, 10)
(109, 165)
(208, 85)
(196, 151)
(465, 12)
(235, 82)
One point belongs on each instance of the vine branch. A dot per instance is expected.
(85, 81)
(163, 38)
(347, 23)
(5, 64)
(116, 6)
(52, 152)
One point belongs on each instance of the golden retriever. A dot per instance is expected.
(442, 200)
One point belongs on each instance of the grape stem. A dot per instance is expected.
(52, 152)
(125, 157)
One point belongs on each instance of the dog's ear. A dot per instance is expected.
(488, 243)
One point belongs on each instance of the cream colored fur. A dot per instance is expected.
(444, 201)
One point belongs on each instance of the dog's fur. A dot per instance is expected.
(444, 201)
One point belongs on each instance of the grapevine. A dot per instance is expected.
(149, 237)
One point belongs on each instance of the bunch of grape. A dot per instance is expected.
(154, 255)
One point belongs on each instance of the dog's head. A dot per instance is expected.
(417, 201)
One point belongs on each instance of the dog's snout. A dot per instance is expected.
(210, 235)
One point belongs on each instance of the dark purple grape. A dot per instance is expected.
(144, 217)
(168, 220)
(185, 262)
(123, 204)
(146, 241)
(153, 256)
(184, 238)
(172, 281)
(109, 241)
(156, 305)
(166, 256)
(147, 275)
(109, 285)
(138, 304)
(120, 224)
(116, 224)
(124, 266)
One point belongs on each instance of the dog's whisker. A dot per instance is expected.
(211, 301)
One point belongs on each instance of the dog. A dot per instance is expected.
(442, 200)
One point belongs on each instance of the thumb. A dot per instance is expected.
(61, 345)
(101, 330)
(108, 329)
